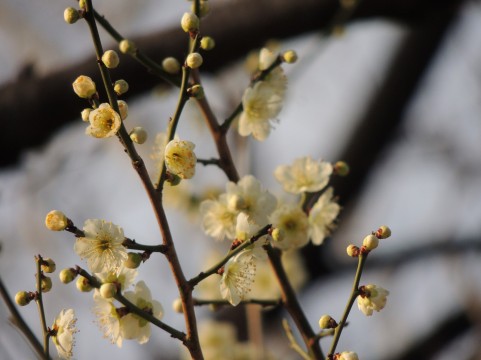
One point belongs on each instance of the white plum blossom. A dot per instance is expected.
(124, 277)
(108, 318)
(372, 298)
(322, 217)
(180, 158)
(293, 223)
(104, 122)
(63, 330)
(238, 277)
(101, 246)
(304, 175)
(218, 221)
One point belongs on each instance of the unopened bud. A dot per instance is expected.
(123, 108)
(121, 87)
(83, 284)
(133, 261)
(84, 87)
(370, 242)
(111, 59)
(138, 135)
(277, 234)
(289, 57)
(194, 60)
(82, 4)
(85, 114)
(204, 8)
(341, 168)
(127, 47)
(67, 275)
(189, 22)
(383, 232)
(171, 65)
(48, 265)
(352, 250)
(196, 91)
(327, 322)
(108, 290)
(45, 284)
(23, 298)
(173, 179)
(207, 43)
(56, 220)
(71, 15)
(177, 306)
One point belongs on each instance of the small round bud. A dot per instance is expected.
(194, 60)
(83, 284)
(82, 4)
(121, 87)
(383, 232)
(196, 91)
(108, 290)
(277, 234)
(207, 43)
(56, 220)
(341, 168)
(23, 298)
(71, 15)
(138, 135)
(127, 47)
(171, 65)
(45, 284)
(370, 242)
(204, 8)
(123, 108)
(177, 306)
(85, 114)
(67, 275)
(289, 57)
(327, 322)
(111, 59)
(48, 265)
(352, 250)
(189, 22)
(173, 179)
(84, 87)
(133, 261)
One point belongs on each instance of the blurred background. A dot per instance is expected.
(395, 91)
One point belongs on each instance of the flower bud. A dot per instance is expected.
(111, 59)
(23, 298)
(83, 284)
(84, 87)
(177, 306)
(383, 232)
(347, 355)
(207, 43)
(138, 135)
(289, 57)
(71, 15)
(341, 168)
(196, 91)
(189, 22)
(370, 242)
(173, 179)
(108, 290)
(67, 275)
(277, 234)
(45, 284)
(85, 114)
(127, 47)
(123, 108)
(121, 87)
(48, 265)
(171, 65)
(327, 322)
(352, 250)
(194, 60)
(204, 8)
(133, 261)
(56, 220)
(82, 4)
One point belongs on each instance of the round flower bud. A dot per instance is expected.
(83, 284)
(171, 65)
(289, 57)
(189, 22)
(84, 87)
(383, 232)
(327, 322)
(341, 168)
(67, 275)
(133, 261)
(111, 59)
(207, 43)
(347, 355)
(121, 87)
(370, 242)
(127, 47)
(352, 250)
(177, 306)
(23, 298)
(194, 60)
(277, 234)
(82, 4)
(173, 179)
(48, 265)
(204, 8)
(71, 15)
(138, 135)
(85, 114)
(196, 91)
(108, 290)
(45, 284)
(56, 220)
(123, 108)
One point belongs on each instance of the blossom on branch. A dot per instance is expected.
(63, 330)
(180, 158)
(371, 298)
(238, 277)
(104, 122)
(293, 224)
(108, 318)
(322, 217)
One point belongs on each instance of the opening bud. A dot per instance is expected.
(133, 261)
(111, 59)
(352, 250)
(370, 242)
(289, 57)
(23, 298)
(71, 15)
(121, 87)
(48, 265)
(83, 284)
(383, 232)
(189, 22)
(108, 290)
(194, 60)
(207, 43)
(84, 87)
(67, 275)
(138, 135)
(171, 65)
(127, 47)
